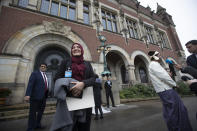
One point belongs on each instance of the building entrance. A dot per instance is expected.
(52, 56)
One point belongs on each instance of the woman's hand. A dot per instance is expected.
(77, 88)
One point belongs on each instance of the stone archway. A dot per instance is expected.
(26, 44)
(140, 62)
(114, 65)
(122, 55)
(18, 41)
(141, 70)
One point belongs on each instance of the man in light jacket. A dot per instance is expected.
(174, 111)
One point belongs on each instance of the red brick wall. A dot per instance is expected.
(14, 19)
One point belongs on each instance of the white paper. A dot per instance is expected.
(87, 101)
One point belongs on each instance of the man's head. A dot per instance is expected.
(191, 46)
(154, 55)
(43, 67)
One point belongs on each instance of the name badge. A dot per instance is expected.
(68, 74)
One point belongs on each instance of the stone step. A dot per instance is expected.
(23, 106)
(21, 116)
(22, 111)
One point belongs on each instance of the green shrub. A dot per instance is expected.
(142, 91)
(137, 91)
(183, 89)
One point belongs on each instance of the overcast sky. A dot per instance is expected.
(184, 15)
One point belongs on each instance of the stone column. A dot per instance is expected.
(32, 4)
(80, 10)
(131, 71)
(21, 81)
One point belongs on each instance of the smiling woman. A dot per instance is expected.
(82, 72)
(76, 50)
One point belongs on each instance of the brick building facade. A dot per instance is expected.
(33, 31)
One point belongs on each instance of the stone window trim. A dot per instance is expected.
(86, 11)
(150, 34)
(36, 11)
(111, 17)
(132, 25)
(66, 3)
(162, 39)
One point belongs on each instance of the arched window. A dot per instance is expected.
(124, 74)
(143, 75)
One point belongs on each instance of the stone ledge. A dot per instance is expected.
(138, 99)
(22, 106)
(21, 116)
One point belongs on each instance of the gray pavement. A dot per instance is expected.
(134, 116)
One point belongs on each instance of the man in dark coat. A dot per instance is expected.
(192, 48)
(36, 94)
(192, 62)
(97, 97)
(108, 86)
(192, 59)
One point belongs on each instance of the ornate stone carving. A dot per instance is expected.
(97, 20)
(137, 5)
(130, 67)
(156, 27)
(96, 3)
(56, 27)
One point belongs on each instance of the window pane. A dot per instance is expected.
(104, 24)
(86, 18)
(72, 2)
(164, 44)
(163, 40)
(109, 26)
(114, 26)
(143, 75)
(134, 25)
(85, 7)
(23, 3)
(108, 15)
(103, 13)
(166, 41)
(151, 39)
(136, 33)
(113, 17)
(54, 8)
(148, 38)
(71, 13)
(44, 6)
(63, 11)
(131, 32)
